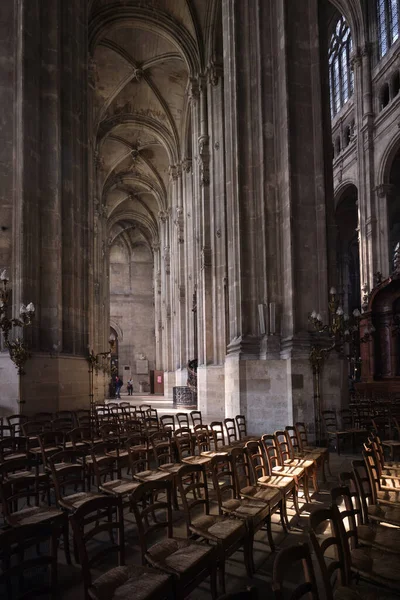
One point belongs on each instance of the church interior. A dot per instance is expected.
(200, 299)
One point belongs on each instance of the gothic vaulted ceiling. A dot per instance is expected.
(144, 56)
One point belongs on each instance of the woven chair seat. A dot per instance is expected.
(14, 456)
(170, 467)
(197, 460)
(126, 583)
(211, 453)
(151, 475)
(301, 463)
(283, 483)
(315, 450)
(74, 501)
(33, 514)
(118, 453)
(179, 556)
(218, 529)
(32, 474)
(386, 513)
(288, 471)
(119, 487)
(71, 445)
(247, 508)
(270, 495)
(387, 537)
(377, 566)
(36, 450)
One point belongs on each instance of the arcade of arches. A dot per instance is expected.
(174, 168)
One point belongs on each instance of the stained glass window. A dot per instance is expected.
(341, 78)
(388, 24)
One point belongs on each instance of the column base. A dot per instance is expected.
(210, 391)
(10, 390)
(55, 383)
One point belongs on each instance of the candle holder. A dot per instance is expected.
(17, 348)
(94, 366)
(341, 330)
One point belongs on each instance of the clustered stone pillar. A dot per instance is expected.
(276, 194)
(50, 226)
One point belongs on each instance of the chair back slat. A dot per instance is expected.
(284, 562)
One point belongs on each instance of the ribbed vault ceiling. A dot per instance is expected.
(140, 111)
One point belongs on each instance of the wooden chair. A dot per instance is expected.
(62, 424)
(333, 431)
(13, 447)
(317, 451)
(372, 564)
(25, 488)
(227, 534)
(32, 430)
(217, 430)
(82, 417)
(43, 416)
(15, 423)
(124, 582)
(50, 442)
(183, 419)
(377, 505)
(255, 513)
(287, 459)
(167, 423)
(272, 453)
(20, 563)
(231, 433)
(196, 417)
(187, 561)
(263, 477)
(68, 471)
(241, 425)
(386, 480)
(105, 468)
(184, 445)
(333, 571)
(151, 425)
(296, 452)
(139, 465)
(374, 535)
(285, 562)
(270, 496)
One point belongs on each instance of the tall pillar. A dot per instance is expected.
(50, 226)
(277, 189)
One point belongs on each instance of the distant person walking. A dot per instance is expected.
(118, 385)
(129, 387)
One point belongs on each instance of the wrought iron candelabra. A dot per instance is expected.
(94, 365)
(341, 330)
(17, 348)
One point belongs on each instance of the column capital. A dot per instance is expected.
(214, 72)
(384, 189)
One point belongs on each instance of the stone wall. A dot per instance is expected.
(132, 311)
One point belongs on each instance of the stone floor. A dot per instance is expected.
(236, 579)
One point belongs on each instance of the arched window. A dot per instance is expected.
(341, 78)
(388, 24)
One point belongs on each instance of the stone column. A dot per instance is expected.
(277, 190)
(383, 193)
(51, 226)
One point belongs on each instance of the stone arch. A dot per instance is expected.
(354, 14)
(342, 190)
(386, 163)
(140, 218)
(118, 330)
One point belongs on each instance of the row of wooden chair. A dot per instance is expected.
(252, 496)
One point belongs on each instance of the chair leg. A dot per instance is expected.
(328, 465)
(213, 582)
(306, 490)
(66, 541)
(338, 444)
(269, 534)
(282, 504)
(221, 572)
(314, 477)
(296, 501)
